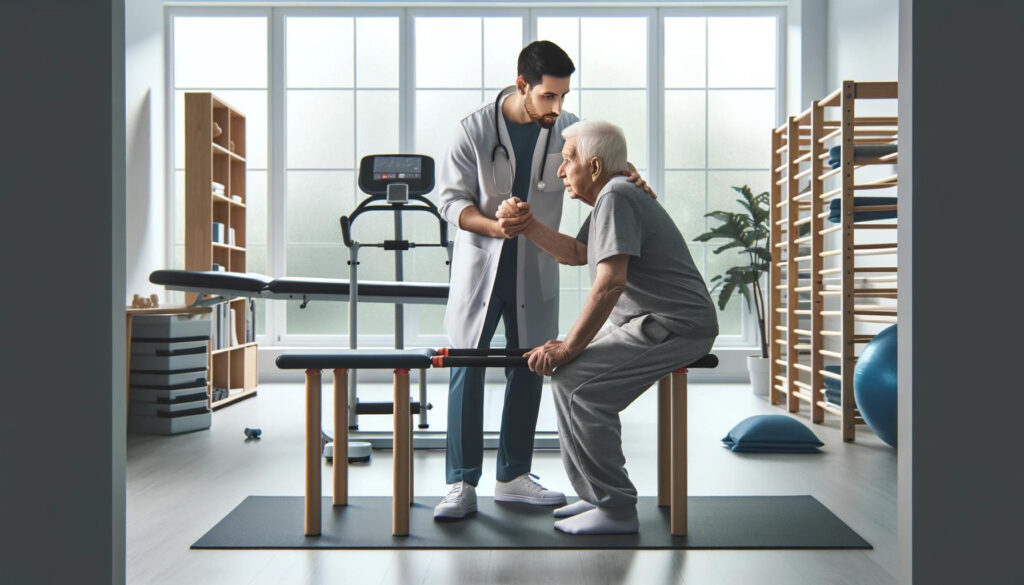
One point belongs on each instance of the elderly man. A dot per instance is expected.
(660, 316)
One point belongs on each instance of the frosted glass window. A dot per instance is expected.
(730, 321)
(684, 201)
(437, 115)
(685, 52)
(377, 47)
(255, 212)
(722, 196)
(377, 129)
(503, 39)
(320, 129)
(564, 32)
(316, 199)
(613, 52)
(739, 125)
(220, 51)
(320, 52)
(628, 110)
(448, 52)
(317, 318)
(685, 127)
(741, 52)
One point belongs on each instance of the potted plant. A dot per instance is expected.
(746, 232)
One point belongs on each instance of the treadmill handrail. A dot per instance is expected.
(368, 204)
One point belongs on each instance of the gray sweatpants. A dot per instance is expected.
(590, 392)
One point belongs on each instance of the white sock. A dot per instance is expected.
(621, 520)
(573, 509)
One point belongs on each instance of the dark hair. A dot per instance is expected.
(544, 58)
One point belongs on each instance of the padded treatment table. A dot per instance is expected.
(227, 285)
(672, 481)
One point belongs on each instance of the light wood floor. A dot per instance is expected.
(179, 487)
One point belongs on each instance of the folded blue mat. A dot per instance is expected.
(835, 208)
(864, 152)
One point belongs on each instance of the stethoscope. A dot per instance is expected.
(541, 185)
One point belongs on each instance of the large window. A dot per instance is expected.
(695, 92)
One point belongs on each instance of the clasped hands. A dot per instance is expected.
(514, 217)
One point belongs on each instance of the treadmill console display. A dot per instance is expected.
(390, 168)
(377, 171)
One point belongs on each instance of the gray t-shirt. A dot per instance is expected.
(662, 279)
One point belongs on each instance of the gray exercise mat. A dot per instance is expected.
(727, 522)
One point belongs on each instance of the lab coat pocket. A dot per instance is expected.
(552, 184)
(468, 267)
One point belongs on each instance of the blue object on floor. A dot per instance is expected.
(875, 384)
(835, 209)
(771, 433)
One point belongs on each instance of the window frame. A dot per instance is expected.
(276, 16)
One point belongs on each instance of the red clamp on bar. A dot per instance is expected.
(402, 371)
(680, 371)
(313, 370)
(340, 370)
(442, 351)
(438, 360)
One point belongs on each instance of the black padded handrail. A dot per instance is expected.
(373, 359)
(473, 358)
(487, 351)
(370, 359)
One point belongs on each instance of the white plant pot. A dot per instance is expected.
(760, 381)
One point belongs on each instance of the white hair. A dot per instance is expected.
(601, 139)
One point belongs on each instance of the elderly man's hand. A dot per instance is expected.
(545, 358)
(511, 227)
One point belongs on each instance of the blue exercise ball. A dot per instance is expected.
(875, 383)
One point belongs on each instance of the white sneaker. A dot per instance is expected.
(524, 489)
(461, 500)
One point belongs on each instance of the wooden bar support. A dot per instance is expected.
(677, 514)
(401, 455)
(340, 437)
(313, 452)
(664, 440)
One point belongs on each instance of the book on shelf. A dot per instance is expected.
(250, 324)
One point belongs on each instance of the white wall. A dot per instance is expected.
(862, 41)
(146, 205)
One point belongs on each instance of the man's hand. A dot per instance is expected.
(545, 358)
(512, 207)
(513, 226)
(634, 177)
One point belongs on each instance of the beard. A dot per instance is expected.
(546, 121)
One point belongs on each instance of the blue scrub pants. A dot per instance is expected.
(465, 441)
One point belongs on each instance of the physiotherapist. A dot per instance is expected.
(508, 147)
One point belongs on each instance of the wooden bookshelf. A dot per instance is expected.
(215, 153)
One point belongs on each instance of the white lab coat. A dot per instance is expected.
(465, 178)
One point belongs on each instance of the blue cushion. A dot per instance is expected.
(772, 433)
